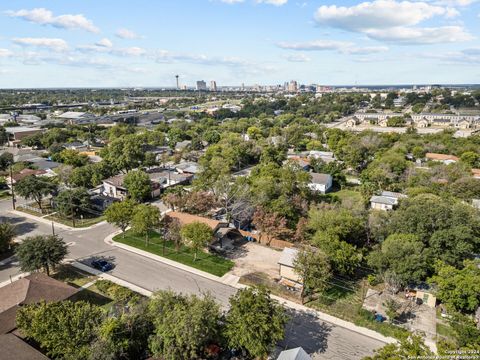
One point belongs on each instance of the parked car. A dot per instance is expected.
(102, 265)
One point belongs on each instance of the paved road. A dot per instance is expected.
(324, 340)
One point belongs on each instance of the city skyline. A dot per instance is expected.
(87, 44)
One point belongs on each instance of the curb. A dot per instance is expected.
(112, 278)
(109, 240)
(290, 304)
(57, 224)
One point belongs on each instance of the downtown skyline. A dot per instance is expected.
(141, 44)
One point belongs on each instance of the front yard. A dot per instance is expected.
(210, 263)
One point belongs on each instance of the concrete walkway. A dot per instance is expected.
(56, 224)
(232, 280)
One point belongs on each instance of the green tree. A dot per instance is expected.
(458, 289)
(34, 188)
(391, 309)
(124, 153)
(255, 322)
(71, 202)
(402, 254)
(64, 329)
(71, 157)
(197, 235)
(138, 185)
(124, 336)
(470, 158)
(6, 159)
(41, 252)
(7, 233)
(313, 267)
(183, 326)
(3, 136)
(408, 347)
(146, 218)
(120, 214)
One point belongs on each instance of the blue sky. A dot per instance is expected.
(84, 43)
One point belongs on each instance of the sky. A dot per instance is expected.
(145, 43)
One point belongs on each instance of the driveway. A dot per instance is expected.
(252, 257)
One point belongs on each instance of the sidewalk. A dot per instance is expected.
(232, 280)
(57, 225)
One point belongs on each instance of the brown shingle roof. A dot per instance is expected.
(29, 290)
(185, 219)
(435, 156)
(13, 348)
(27, 172)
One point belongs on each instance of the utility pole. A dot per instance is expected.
(71, 208)
(12, 186)
(53, 229)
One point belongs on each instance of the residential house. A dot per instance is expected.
(160, 180)
(286, 267)
(303, 162)
(182, 145)
(443, 158)
(17, 133)
(188, 167)
(31, 289)
(75, 145)
(23, 174)
(294, 354)
(320, 182)
(387, 200)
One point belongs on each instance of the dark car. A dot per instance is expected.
(102, 265)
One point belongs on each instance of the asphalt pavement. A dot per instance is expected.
(319, 338)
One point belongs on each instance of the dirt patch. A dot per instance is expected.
(252, 257)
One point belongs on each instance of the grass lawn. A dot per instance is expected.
(79, 223)
(73, 276)
(93, 296)
(210, 263)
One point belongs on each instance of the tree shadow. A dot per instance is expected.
(306, 331)
(22, 226)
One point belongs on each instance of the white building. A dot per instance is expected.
(320, 182)
(386, 201)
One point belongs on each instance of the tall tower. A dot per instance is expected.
(178, 86)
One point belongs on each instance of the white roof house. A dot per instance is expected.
(294, 354)
(320, 182)
(387, 200)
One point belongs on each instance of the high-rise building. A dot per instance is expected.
(201, 85)
(292, 86)
(213, 85)
(178, 85)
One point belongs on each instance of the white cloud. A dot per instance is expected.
(5, 53)
(126, 34)
(232, 1)
(57, 45)
(297, 58)
(393, 21)
(379, 14)
(43, 16)
(129, 51)
(456, 3)
(104, 43)
(413, 36)
(466, 57)
(343, 47)
(272, 2)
